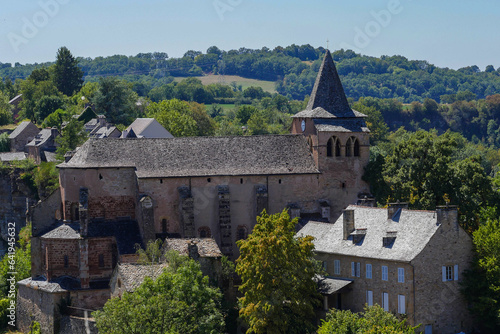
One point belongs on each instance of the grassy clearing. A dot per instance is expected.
(267, 86)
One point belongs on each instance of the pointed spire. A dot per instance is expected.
(328, 92)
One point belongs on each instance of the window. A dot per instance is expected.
(101, 260)
(428, 329)
(324, 265)
(355, 269)
(337, 148)
(241, 232)
(204, 232)
(336, 267)
(329, 147)
(368, 270)
(385, 273)
(369, 297)
(450, 273)
(385, 301)
(401, 275)
(356, 147)
(348, 148)
(164, 225)
(66, 261)
(401, 304)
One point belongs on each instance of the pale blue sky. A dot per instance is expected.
(447, 33)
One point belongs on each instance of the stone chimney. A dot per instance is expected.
(348, 223)
(83, 211)
(447, 216)
(393, 208)
(54, 132)
(193, 250)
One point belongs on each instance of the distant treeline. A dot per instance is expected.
(294, 69)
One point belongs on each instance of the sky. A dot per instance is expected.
(446, 33)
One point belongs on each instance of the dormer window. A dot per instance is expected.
(389, 239)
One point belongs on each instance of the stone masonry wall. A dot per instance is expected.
(98, 246)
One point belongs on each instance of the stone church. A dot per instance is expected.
(115, 193)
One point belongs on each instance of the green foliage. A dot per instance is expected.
(67, 75)
(116, 100)
(4, 142)
(47, 105)
(5, 109)
(175, 116)
(35, 328)
(56, 119)
(71, 137)
(481, 284)
(152, 254)
(277, 271)
(374, 320)
(179, 301)
(22, 259)
(46, 178)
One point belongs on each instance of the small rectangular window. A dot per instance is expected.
(101, 260)
(385, 301)
(401, 304)
(66, 261)
(369, 297)
(353, 269)
(336, 267)
(358, 269)
(368, 270)
(401, 275)
(324, 265)
(385, 273)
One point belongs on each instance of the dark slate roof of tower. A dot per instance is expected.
(198, 156)
(328, 99)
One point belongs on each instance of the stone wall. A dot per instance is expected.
(57, 252)
(77, 325)
(104, 247)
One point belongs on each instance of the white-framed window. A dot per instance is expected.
(385, 273)
(450, 273)
(355, 269)
(401, 304)
(401, 275)
(336, 267)
(368, 270)
(385, 301)
(369, 297)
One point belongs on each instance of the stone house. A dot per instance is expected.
(43, 146)
(24, 133)
(409, 262)
(129, 276)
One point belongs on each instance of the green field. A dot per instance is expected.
(267, 86)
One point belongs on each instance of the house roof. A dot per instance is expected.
(341, 125)
(41, 138)
(24, 126)
(59, 284)
(15, 98)
(133, 275)
(199, 156)
(207, 247)
(125, 232)
(148, 128)
(328, 99)
(329, 285)
(11, 156)
(412, 229)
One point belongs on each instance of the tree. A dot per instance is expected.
(481, 284)
(175, 116)
(22, 259)
(47, 105)
(55, 119)
(4, 142)
(277, 270)
(179, 301)
(67, 75)
(116, 100)
(374, 321)
(72, 136)
(5, 109)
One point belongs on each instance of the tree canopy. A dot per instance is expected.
(277, 270)
(67, 75)
(179, 301)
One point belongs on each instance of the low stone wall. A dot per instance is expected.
(76, 325)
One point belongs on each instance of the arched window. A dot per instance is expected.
(241, 232)
(348, 148)
(337, 148)
(329, 147)
(204, 232)
(356, 147)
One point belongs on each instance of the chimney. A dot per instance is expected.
(447, 216)
(193, 250)
(394, 208)
(348, 223)
(54, 132)
(83, 211)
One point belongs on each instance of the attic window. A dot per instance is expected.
(241, 181)
(209, 180)
(279, 181)
(100, 177)
(358, 235)
(389, 239)
(161, 180)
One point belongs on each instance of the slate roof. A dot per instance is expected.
(413, 230)
(148, 128)
(41, 138)
(26, 125)
(328, 285)
(341, 125)
(207, 247)
(199, 156)
(133, 275)
(126, 233)
(328, 99)
(11, 156)
(59, 284)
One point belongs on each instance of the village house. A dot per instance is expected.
(24, 133)
(146, 128)
(409, 262)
